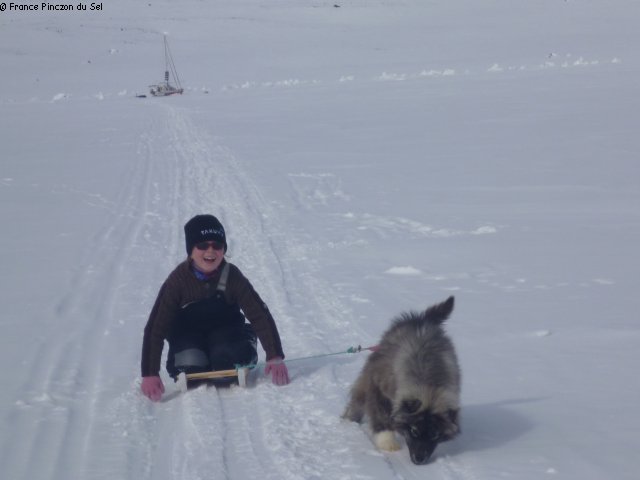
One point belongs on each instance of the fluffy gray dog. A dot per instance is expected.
(411, 385)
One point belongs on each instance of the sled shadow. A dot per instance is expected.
(488, 426)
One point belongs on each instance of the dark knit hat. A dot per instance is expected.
(202, 228)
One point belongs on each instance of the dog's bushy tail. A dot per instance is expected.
(437, 314)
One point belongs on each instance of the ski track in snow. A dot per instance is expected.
(54, 423)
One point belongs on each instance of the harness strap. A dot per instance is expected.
(222, 282)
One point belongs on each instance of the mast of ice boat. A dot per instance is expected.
(170, 67)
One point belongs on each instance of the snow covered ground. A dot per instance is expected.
(367, 157)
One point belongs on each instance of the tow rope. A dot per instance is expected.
(357, 349)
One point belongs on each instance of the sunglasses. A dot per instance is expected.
(204, 246)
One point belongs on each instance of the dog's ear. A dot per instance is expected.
(437, 314)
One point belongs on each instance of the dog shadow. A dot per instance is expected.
(488, 426)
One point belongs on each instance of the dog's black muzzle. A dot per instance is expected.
(420, 451)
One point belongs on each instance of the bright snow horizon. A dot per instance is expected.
(367, 158)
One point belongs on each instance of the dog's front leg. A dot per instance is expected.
(379, 412)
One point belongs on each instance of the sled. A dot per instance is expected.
(241, 374)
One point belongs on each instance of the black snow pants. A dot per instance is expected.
(210, 335)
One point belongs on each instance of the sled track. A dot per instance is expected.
(53, 423)
(196, 435)
(212, 181)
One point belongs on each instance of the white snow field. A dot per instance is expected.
(367, 157)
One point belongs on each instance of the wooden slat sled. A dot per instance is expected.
(241, 373)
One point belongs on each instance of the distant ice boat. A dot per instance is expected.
(165, 88)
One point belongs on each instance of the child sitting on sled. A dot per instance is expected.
(200, 310)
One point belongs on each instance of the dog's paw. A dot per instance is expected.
(386, 440)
